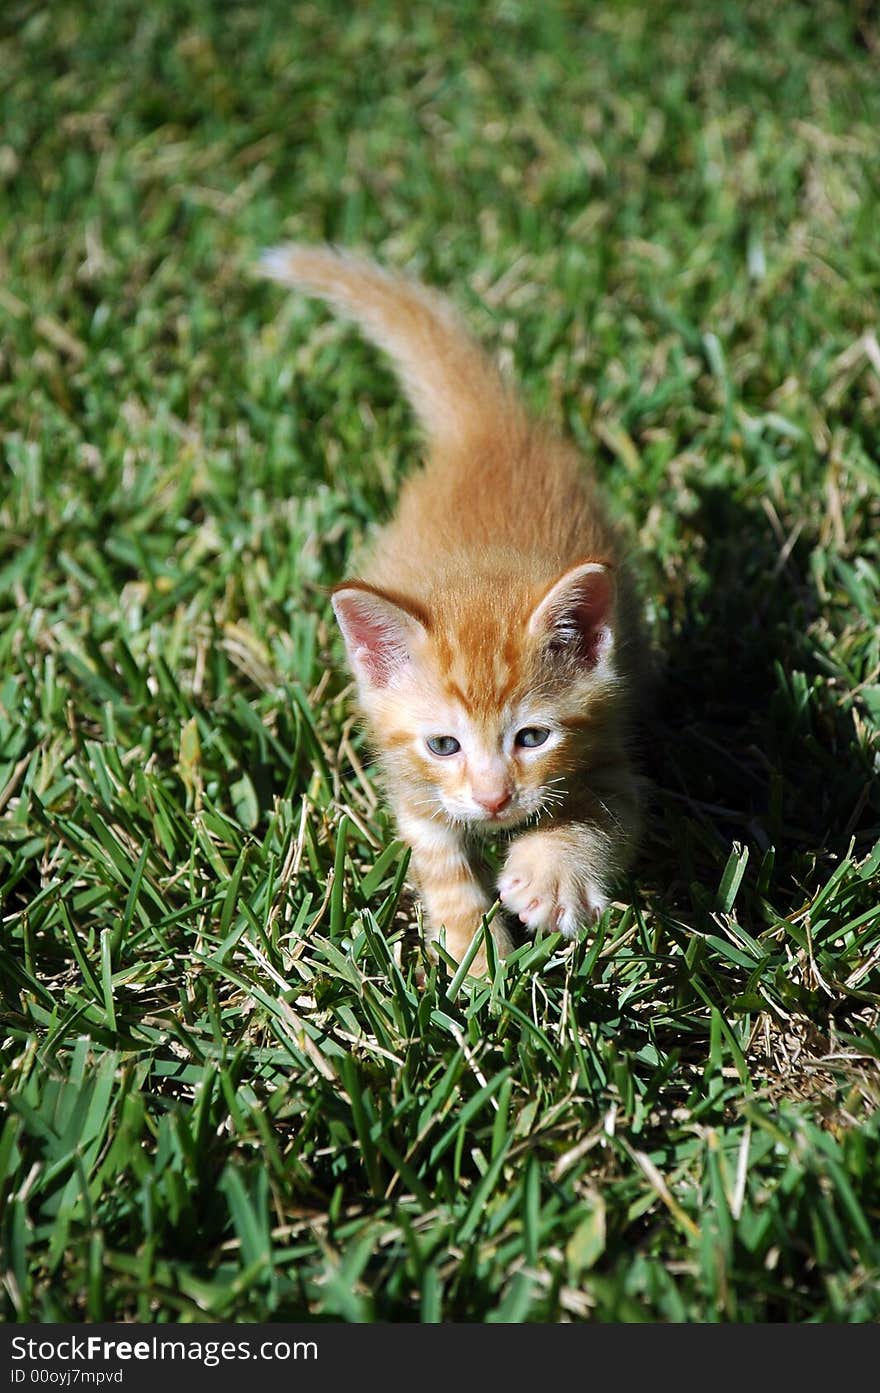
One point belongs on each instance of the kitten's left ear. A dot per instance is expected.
(575, 615)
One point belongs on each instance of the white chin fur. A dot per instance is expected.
(481, 822)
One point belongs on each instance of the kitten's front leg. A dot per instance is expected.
(551, 879)
(558, 877)
(452, 894)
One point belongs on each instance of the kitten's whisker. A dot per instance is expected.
(602, 804)
(549, 800)
(551, 796)
(438, 810)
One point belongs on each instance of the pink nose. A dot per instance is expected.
(492, 803)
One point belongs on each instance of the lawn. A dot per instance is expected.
(223, 1096)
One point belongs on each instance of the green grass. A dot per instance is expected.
(222, 1097)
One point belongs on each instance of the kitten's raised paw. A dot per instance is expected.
(539, 886)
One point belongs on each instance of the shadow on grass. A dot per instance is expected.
(747, 740)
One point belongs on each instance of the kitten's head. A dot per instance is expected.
(484, 703)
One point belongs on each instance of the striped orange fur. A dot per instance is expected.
(492, 631)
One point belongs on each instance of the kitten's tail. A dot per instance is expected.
(456, 392)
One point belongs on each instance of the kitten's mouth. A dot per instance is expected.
(479, 820)
(503, 821)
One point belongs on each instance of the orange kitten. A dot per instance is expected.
(492, 635)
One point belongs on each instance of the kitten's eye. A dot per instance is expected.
(531, 737)
(443, 745)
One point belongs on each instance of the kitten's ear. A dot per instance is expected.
(380, 632)
(575, 615)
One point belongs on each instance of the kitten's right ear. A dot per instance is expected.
(381, 633)
(576, 613)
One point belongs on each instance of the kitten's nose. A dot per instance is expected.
(493, 803)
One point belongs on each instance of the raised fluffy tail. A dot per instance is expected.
(456, 392)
